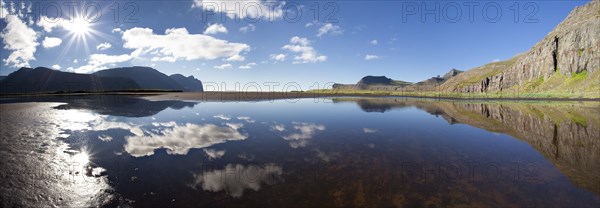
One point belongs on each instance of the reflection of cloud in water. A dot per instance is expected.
(246, 118)
(235, 126)
(278, 127)
(368, 130)
(105, 138)
(223, 117)
(234, 179)
(307, 131)
(214, 154)
(179, 139)
(79, 120)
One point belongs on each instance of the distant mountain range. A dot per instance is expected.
(566, 63)
(45, 80)
(382, 83)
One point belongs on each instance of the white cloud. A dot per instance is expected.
(277, 57)
(50, 42)
(247, 66)
(307, 53)
(329, 29)
(179, 139)
(101, 61)
(373, 42)
(56, 66)
(178, 43)
(495, 60)
(248, 28)
(310, 24)
(224, 66)
(307, 131)
(214, 29)
(236, 57)
(18, 38)
(117, 30)
(75, 61)
(229, 180)
(48, 24)
(253, 9)
(103, 46)
(3, 10)
(369, 57)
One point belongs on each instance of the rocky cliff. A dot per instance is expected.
(566, 60)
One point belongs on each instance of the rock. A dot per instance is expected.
(571, 47)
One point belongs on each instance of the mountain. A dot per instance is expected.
(40, 79)
(146, 77)
(45, 80)
(368, 80)
(566, 61)
(432, 83)
(2, 77)
(188, 83)
(383, 83)
(451, 73)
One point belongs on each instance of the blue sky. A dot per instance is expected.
(344, 42)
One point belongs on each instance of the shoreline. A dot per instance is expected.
(262, 96)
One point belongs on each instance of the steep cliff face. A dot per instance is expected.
(571, 48)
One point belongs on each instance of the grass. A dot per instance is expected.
(434, 94)
(485, 71)
(579, 85)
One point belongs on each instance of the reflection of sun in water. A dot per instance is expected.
(82, 158)
(78, 26)
(75, 119)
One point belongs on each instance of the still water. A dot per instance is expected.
(333, 152)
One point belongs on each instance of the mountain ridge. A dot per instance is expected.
(383, 83)
(566, 60)
(46, 80)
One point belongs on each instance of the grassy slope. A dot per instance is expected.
(477, 74)
(582, 84)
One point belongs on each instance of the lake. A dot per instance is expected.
(327, 152)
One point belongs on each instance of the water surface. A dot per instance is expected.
(369, 152)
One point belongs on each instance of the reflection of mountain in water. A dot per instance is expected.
(376, 105)
(567, 134)
(114, 105)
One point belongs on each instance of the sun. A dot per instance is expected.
(78, 26)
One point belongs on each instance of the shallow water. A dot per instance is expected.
(369, 152)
